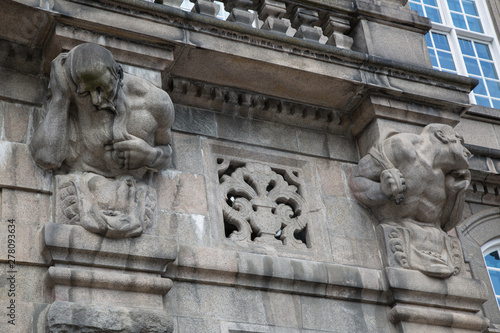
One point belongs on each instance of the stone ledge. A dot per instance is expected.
(71, 244)
(409, 286)
(437, 317)
(108, 280)
(231, 268)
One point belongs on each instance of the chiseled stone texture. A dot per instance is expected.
(181, 192)
(81, 318)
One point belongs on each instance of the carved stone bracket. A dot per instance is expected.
(262, 204)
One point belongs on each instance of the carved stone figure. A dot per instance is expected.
(415, 186)
(107, 131)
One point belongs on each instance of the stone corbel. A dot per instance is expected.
(303, 20)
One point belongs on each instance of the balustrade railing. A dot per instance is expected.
(282, 17)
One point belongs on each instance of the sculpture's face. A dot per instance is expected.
(458, 152)
(102, 88)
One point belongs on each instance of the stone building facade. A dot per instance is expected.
(255, 224)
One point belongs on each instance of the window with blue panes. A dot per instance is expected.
(491, 256)
(463, 41)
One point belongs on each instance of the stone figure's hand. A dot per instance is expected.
(133, 153)
(393, 184)
(458, 180)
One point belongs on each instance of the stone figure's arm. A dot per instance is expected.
(135, 153)
(49, 143)
(164, 113)
(376, 180)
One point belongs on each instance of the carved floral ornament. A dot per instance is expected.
(262, 204)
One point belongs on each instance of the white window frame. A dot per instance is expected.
(453, 33)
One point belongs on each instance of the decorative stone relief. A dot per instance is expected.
(262, 204)
(104, 132)
(415, 186)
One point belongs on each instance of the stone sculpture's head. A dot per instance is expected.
(450, 145)
(95, 73)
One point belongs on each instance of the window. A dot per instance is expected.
(491, 253)
(463, 41)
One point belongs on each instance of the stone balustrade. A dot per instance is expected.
(282, 17)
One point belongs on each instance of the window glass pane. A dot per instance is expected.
(495, 280)
(483, 51)
(483, 101)
(466, 47)
(489, 70)
(493, 88)
(474, 24)
(492, 259)
(496, 103)
(428, 40)
(433, 14)
(446, 60)
(441, 42)
(458, 21)
(432, 54)
(470, 7)
(431, 2)
(418, 8)
(472, 66)
(454, 5)
(480, 89)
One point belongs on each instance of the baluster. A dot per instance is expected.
(302, 19)
(335, 29)
(239, 11)
(272, 12)
(205, 7)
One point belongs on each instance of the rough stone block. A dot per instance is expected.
(27, 243)
(18, 170)
(344, 316)
(192, 229)
(342, 148)
(478, 133)
(181, 192)
(331, 178)
(25, 207)
(187, 154)
(195, 121)
(256, 132)
(355, 252)
(15, 121)
(80, 318)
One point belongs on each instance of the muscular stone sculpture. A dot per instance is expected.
(415, 185)
(107, 131)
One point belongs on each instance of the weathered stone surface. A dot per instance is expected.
(80, 318)
(415, 186)
(25, 207)
(119, 144)
(14, 119)
(178, 192)
(17, 169)
(75, 245)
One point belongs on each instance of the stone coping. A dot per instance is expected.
(71, 244)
